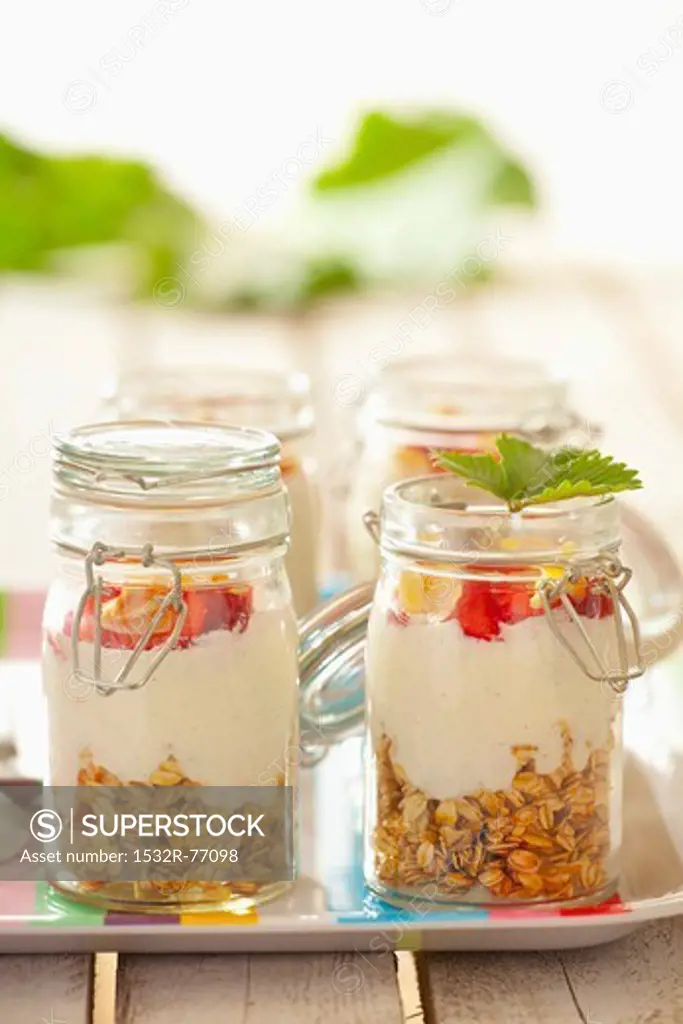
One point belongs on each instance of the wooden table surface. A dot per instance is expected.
(637, 980)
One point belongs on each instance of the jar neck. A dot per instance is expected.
(178, 533)
(440, 519)
(208, 570)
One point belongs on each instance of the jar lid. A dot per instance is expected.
(184, 488)
(450, 392)
(439, 517)
(277, 401)
(131, 458)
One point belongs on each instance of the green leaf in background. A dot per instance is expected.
(411, 205)
(512, 186)
(385, 145)
(415, 201)
(53, 203)
(326, 277)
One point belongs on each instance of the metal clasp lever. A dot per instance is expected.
(372, 523)
(97, 556)
(612, 577)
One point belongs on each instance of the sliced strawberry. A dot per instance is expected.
(513, 602)
(397, 617)
(87, 627)
(593, 604)
(195, 618)
(238, 605)
(477, 612)
(208, 609)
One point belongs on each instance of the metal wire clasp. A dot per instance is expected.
(97, 556)
(371, 522)
(611, 577)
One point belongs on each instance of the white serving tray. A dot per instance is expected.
(328, 908)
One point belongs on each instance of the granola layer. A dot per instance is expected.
(170, 773)
(546, 837)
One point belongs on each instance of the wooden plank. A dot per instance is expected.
(45, 989)
(503, 988)
(638, 980)
(337, 988)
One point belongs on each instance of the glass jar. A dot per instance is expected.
(444, 402)
(272, 401)
(188, 674)
(496, 656)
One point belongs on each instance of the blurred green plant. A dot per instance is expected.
(411, 203)
(386, 145)
(49, 204)
(408, 203)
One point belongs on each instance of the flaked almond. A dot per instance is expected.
(546, 817)
(491, 803)
(532, 885)
(245, 888)
(591, 875)
(414, 806)
(529, 784)
(514, 798)
(525, 753)
(446, 813)
(162, 778)
(524, 860)
(425, 856)
(468, 811)
(491, 877)
(537, 840)
(455, 839)
(458, 881)
(525, 816)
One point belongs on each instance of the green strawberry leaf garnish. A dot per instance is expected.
(522, 474)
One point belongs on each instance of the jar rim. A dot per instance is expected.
(472, 393)
(278, 401)
(438, 515)
(129, 456)
(566, 508)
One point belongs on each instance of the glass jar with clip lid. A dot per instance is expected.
(497, 646)
(170, 641)
(488, 667)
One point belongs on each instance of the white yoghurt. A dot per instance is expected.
(375, 472)
(301, 559)
(225, 707)
(454, 705)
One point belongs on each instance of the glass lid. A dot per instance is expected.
(278, 401)
(122, 458)
(456, 392)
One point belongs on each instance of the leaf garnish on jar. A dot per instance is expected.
(523, 474)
